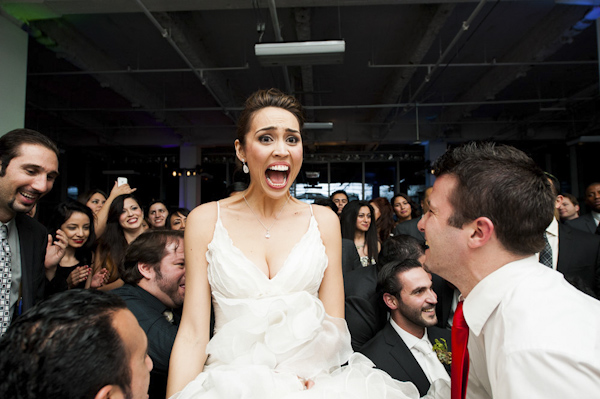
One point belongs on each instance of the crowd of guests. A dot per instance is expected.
(398, 313)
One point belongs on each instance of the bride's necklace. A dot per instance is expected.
(268, 234)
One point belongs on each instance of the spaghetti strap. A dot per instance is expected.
(311, 211)
(218, 210)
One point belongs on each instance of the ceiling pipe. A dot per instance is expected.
(485, 64)
(465, 26)
(134, 71)
(279, 38)
(165, 34)
(330, 107)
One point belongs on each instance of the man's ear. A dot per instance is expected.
(110, 392)
(482, 229)
(391, 301)
(146, 270)
(239, 150)
(559, 201)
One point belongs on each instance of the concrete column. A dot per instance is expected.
(433, 150)
(13, 76)
(189, 186)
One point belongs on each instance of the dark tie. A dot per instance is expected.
(546, 254)
(460, 354)
(6, 280)
(598, 230)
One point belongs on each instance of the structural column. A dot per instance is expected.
(189, 186)
(433, 150)
(13, 76)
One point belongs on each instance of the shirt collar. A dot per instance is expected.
(596, 216)
(409, 339)
(552, 228)
(485, 297)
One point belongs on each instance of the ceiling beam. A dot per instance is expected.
(82, 53)
(431, 21)
(44, 9)
(552, 32)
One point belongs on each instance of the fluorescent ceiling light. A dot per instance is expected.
(318, 126)
(584, 139)
(300, 53)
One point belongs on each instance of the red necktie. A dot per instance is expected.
(460, 354)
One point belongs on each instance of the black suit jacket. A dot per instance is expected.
(148, 310)
(584, 223)
(579, 256)
(390, 354)
(445, 296)
(33, 239)
(365, 313)
(410, 228)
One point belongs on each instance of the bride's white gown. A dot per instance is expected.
(272, 333)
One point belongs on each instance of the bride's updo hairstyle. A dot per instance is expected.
(263, 99)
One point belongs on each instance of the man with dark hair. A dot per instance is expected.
(28, 169)
(153, 270)
(78, 344)
(404, 347)
(574, 253)
(340, 199)
(529, 331)
(365, 314)
(588, 222)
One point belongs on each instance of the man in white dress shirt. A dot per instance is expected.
(531, 334)
(404, 347)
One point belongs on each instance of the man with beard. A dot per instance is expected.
(28, 170)
(154, 273)
(404, 348)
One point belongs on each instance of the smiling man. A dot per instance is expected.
(154, 273)
(28, 169)
(404, 347)
(530, 333)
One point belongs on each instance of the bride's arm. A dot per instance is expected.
(331, 292)
(189, 351)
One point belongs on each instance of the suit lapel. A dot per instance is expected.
(405, 358)
(26, 249)
(431, 334)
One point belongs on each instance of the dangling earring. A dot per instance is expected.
(245, 167)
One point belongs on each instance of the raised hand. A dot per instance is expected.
(55, 250)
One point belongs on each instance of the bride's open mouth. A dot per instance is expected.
(277, 175)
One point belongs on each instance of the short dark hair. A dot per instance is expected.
(263, 99)
(339, 192)
(11, 142)
(399, 248)
(503, 184)
(149, 248)
(65, 347)
(327, 202)
(572, 198)
(387, 278)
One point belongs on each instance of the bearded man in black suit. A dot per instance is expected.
(28, 169)
(405, 347)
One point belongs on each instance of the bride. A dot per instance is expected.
(270, 266)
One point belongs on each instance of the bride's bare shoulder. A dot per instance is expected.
(324, 214)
